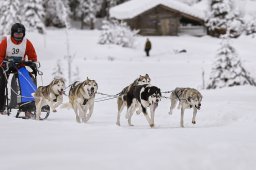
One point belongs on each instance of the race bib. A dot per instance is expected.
(15, 50)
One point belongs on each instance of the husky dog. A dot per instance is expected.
(143, 97)
(188, 98)
(121, 103)
(51, 95)
(81, 98)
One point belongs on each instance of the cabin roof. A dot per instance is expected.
(133, 8)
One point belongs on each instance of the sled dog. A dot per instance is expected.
(81, 98)
(121, 103)
(188, 98)
(51, 95)
(143, 97)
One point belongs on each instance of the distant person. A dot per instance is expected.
(148, 47)
(15, 45)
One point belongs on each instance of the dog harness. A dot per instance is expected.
(55, 100)
(85, 101)
(176, 95)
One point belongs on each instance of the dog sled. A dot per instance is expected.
(22, 82)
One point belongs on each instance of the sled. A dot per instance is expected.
(23, 84)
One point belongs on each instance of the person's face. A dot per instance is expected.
(18, 35)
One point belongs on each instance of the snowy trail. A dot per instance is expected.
(222, 139)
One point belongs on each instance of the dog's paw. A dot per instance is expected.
(194, 122)
(152, 125)
(131, 124)
(78, 120)
(54, 110)
(84, 120)
(118, 123)
(170, 112)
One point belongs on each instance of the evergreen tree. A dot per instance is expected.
(56, 13)
(117, 33)
(251, 26)
(227, 69)
(87, 11)
(106, 36)
(224, 19)
(9, 15)
(73, 5)
(34, 15)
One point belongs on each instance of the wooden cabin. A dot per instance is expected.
(160, 17)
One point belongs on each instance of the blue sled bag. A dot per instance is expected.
(27, 85)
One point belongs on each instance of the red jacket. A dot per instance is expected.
(30, 50)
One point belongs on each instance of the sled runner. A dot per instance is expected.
(23, 84)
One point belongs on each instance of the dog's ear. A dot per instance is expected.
(86, 81)
(146, 75)
(63, 80)
(55, 81)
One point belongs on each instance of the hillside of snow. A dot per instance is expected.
(222, 139)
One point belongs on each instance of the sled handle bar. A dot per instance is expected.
(26, 63)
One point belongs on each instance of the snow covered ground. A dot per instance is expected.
(222, 139)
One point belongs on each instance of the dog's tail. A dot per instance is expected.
(66, 106)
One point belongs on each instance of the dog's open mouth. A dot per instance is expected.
(90, 92)
(60, 92)
(198, 107)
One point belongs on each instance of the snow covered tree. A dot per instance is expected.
(73, 5)
(87, 11)
(250, 28)
(56, 13)
(117, 33)
(223, 18)
(227, 69)
(34, 15)
(106, 36)
(9, 15)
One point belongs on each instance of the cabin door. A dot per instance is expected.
(168, 26)
(165, 26)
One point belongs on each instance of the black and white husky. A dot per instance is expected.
(143, 97)
(121, 99)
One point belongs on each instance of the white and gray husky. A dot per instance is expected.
(188, 98)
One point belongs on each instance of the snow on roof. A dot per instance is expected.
(133, 8)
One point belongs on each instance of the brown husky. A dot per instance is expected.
(51, 95)
(81, 98)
